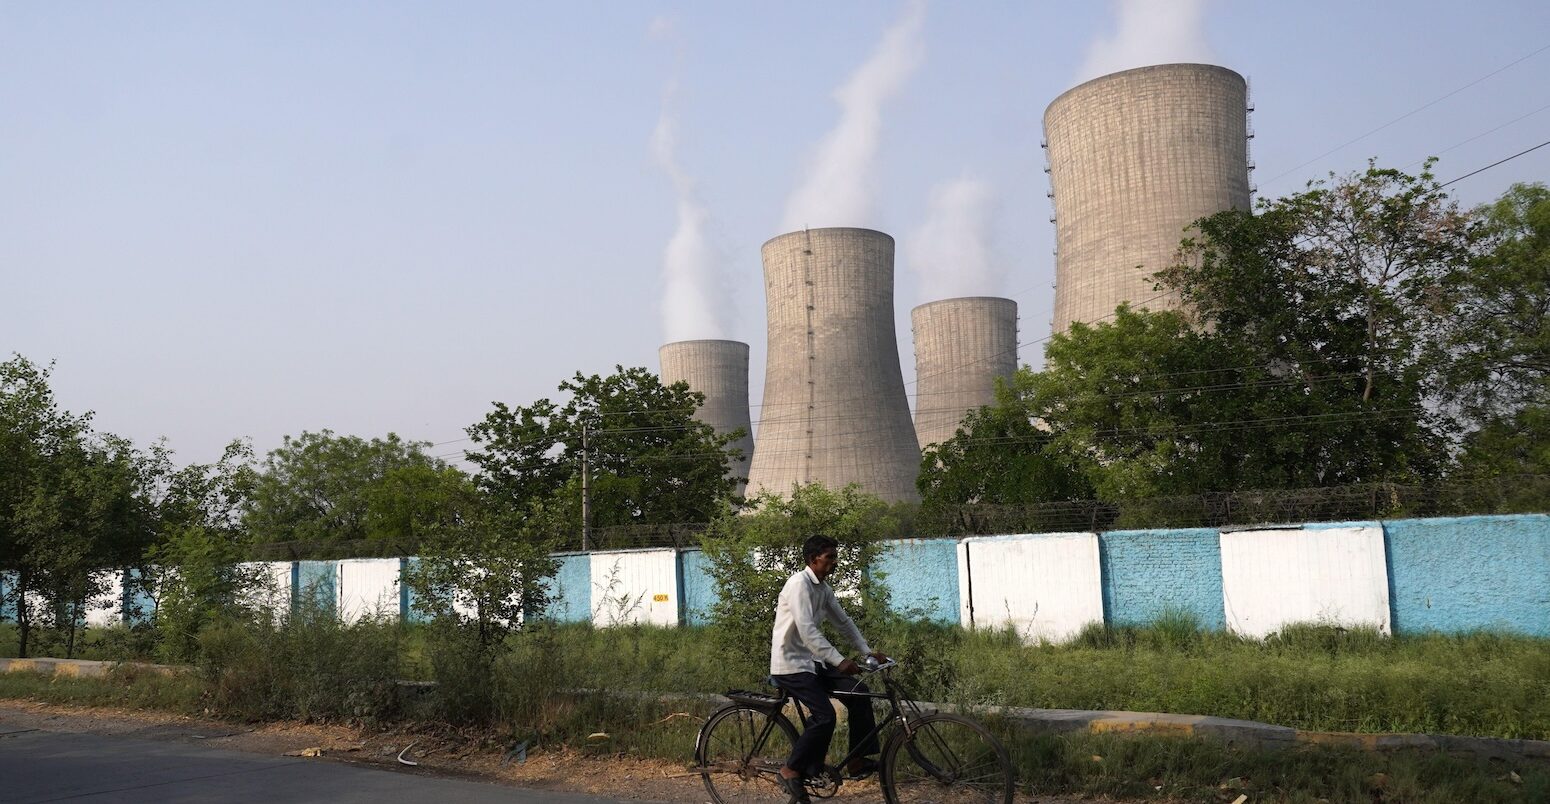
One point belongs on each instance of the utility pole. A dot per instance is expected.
(586, 499)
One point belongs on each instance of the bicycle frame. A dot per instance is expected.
(902, 711)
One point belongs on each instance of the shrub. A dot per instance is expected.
(751, 556)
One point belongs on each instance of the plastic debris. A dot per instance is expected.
(401, 759)
(518, 751)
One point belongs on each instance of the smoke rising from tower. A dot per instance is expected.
(951, 253)
(836, 190)
(1149, 32)
(696, 294)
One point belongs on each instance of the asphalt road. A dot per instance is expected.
(37, 766)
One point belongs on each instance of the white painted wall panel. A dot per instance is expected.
(274, 590)
(106, 608)
(635, 586)
(965, 605)
(368, 586)
(467, 610)
(1046, 586)
(1273, 578)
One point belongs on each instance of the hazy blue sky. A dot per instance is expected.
(253, 219)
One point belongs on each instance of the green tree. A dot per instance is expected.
(999, 457)
(649, 460)
(70, 505)
(1306, 355)
(193, 571)
(483, 569)
(320, 487)
(1501, 346)
(1343, 289)
(752, 554)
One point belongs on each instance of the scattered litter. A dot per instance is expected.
(1240, 799)
(598, 736)
(1513, 775)
(519, 751)
(401, 759)
(315, 751)
(1097, 758)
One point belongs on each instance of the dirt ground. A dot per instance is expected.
(443, 753)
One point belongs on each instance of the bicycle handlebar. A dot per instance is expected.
(871, 665)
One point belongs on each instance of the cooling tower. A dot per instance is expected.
(961, 347)
(834, 409)
(1134, 158)
(719, 370)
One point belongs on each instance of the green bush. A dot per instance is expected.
(306, 666)
(751, 555)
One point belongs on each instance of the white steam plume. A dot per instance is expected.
(696, 299)
(836, 190)
(951, 253)
(1149, 32)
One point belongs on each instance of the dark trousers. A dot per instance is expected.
(813, 689)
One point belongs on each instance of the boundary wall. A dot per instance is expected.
(1451, 575)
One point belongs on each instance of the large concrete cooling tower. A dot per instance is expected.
(835, 411)
(961, 347)
(1134, 158)
(719, 370)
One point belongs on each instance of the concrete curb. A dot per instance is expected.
(1252, 734)
(81, 668)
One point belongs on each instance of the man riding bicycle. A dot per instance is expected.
(808, 668)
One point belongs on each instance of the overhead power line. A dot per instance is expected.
(1494, 164)
(1423, 107)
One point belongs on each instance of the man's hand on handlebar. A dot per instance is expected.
(850, 668)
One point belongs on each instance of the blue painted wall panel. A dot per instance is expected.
(1470, 573)
(1341, 525)
(1149, 572)
(407, 597)
(696, 589)
(570, 590)
(7, 608)
(922, 578)
(139, 606)
(316, 583)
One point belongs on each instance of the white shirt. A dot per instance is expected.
(805, 602)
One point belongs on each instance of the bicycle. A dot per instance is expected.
(927, 756)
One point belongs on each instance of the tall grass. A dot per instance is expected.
(602, 691)
(1309, 677)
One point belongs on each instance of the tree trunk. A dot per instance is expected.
(23, 621)
(75, 615)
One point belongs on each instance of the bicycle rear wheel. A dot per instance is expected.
(737, 767)
(947, 758)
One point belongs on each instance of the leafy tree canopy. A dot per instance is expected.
(649, 460)
(321, 487)
(71, 504)
(1311, 351)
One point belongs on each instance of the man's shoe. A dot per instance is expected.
(865, 768)
(796, 790)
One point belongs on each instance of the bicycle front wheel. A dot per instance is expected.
(740, 751)
(947, 758)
